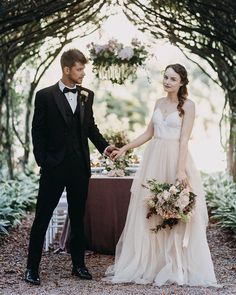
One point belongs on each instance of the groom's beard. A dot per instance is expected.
(76, 80)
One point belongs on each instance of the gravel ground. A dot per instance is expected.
(56, 268)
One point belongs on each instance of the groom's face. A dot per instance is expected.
(76, 73)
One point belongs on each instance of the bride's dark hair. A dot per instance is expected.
(183, 92)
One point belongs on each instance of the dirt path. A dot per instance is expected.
(56, 268)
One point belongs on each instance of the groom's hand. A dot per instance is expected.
(110, 149)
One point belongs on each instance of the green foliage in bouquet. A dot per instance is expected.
(221, 199)
(171, 203)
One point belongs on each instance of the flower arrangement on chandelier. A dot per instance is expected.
(115, 62)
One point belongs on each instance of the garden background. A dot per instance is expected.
(200, 35)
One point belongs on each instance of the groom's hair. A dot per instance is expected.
(71, 56)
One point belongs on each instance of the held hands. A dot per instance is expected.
(109, 150)
(117, 153)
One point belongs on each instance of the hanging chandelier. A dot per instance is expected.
(115, 62)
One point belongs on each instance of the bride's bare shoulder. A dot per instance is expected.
(189, 105)
(159, 101)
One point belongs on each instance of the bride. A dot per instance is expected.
(179, 255)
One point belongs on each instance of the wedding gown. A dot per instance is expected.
(180, 255)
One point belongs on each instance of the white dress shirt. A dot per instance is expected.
(70, 96)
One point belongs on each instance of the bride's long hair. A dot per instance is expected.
(183, 92)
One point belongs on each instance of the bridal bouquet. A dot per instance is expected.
(172, 203)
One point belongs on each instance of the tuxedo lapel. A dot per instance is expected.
(59, 97)
(81, 108)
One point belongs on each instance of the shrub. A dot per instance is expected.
(221, 199)
(16, 198)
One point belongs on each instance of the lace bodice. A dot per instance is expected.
(168, 127)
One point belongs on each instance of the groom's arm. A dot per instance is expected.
(39, 129)
(94, 134)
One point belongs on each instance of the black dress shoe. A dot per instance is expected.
(32, 277)
(81, 272)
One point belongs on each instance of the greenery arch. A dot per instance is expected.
(204, 28)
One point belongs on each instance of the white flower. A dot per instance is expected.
(166, 195)
(116, 173)
(113, 45)
(84, 93)
(113, 42)
(84, 96)
(173, 189)
(186, 191)
(100, 48)
(126, 53)
(183, 200)
(160, 198)
(159, 211)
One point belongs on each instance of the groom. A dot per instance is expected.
(62, 123)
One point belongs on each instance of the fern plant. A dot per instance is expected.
(16, 198)
(221, 199)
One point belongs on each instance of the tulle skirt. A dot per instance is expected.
(179, 255)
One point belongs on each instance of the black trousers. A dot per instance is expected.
(73, 175)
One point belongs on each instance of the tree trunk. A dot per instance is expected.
(9, 141)
(5, 120)
(232, 136)
(27, 125)
(232, 147)
(2, 97)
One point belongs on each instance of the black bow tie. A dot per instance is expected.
(66, 89)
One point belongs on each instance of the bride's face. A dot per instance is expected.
(171, 81)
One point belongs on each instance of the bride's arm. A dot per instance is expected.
(141, 139)
(187, 126)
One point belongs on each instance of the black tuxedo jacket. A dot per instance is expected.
(50, 125)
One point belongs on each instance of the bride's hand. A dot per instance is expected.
(116, 154)
(181, 177)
